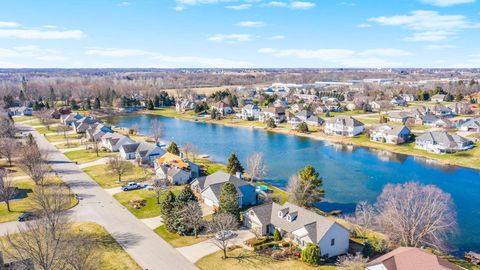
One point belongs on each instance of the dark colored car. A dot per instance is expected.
(25, 216)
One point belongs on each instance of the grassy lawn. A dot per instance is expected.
(242, 259)
(13, 170)
(106, 179)
(45, 130)
(152, 209)
(85, 156)
(70, 145)
(176, 240)
(23, 201)
(278, 195)
(210, 166)
(61, 138)
(111, 255)
(19, 119)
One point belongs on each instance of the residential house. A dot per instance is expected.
(408, 97)
(280, 103)
(409, 258)
(184, 105)
(429, 119)
(96, 132)
(20, 111)
(399, 116)
(314, 120)
(438, 98)
(294, 122)
(69, 119)
(471, 125)
(113, 141)
(389, 134)
(222, 107)
(299, 225)
(81, 125)
(175, 169)
(127, 151)
(461, 108)
(441, 110)
(146, 153)
(303, 115)
(380, 105)
(65, 110)
(344, 126)
(277, 113)
(333, 105)
(250, 112)
(399, 101)
(441, 142)
(208, 189)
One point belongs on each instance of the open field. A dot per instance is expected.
(106, 179)
(242, 259)
(152, 209)
(85, 156)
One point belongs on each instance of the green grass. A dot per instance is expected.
(45, 130)
(85, 156)
(242, 259)
(24, 203)
(176, 240)
(70, 145)
(106, 179)
(61, 138)
(209, 166)
(19, 119)
(278, 195)
(152, 209)
(111, 255)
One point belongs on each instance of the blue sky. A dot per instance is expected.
(239, 33)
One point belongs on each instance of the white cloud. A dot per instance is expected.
(40, 34)
(153, 58)
(276, 37)
(292, 5)
(239, 7)
(124, 4)
(32, 52)
(380, 57)
(49, 26)
(446, 3)
(9, 24)
(251, 24)
(427, 25)
(439, 46)
(230, 38)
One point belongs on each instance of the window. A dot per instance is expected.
(280, 215)
(332, 242)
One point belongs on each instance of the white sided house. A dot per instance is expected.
(300, 225)
(389, 134)
(250, 112)
(441, 142)
(344, 126)
(113, 141)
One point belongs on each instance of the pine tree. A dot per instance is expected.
(173, 149)
(182, 200)
(186, 196)
(52, 97)
(167, 211)
(74, 104)
(276, 235)
(234, 165)
(302, 127)
(96, 104)
(271, 123)
(228, 202)
(367, 250)
(150, 105)
(311, 254)
(21, 96)
(89, 104)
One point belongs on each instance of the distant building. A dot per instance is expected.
(438, 98)
(389, 134)
(471, 125)
(250, 112)
(440, 142)
(344, 126)
(20, 111)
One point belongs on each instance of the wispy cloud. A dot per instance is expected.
(40, 34)
(230, 38)
(161, 60)
(251, 24)
(427, 25)
(9, 24)
(447, 3)
(124, 4)
(291, 4)
(239, 7)
(32, 52)
(276, 37)
(439, 46)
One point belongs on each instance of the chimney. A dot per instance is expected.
(238, 175)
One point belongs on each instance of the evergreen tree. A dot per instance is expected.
(213, 114)
(302, 127)
(47, 106)
(173, 149)
(182, 200)
(21, 96)
(271, 123)
(186, 196)
(276, 235)
(96, 104)
(74, 105)
(156, 101)
(234, 165)
(52, 96)
(367, 250)
(150, 105)
(167, 211)
(459, 97)
(228, 202)
(89, 104)
(311, 254)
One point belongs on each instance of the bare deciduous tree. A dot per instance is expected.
(220, 224)
(416, 215)
(7, 127)
(45, 117)
(7, 189)
(134, 129)
(256, 167)
(352, 262)
(82, 253)
(192, 216)
(119, 166)
(363, 219)
(50, 202)
(62, 129)
(8, 147)
(33, 163)
(157, 129)
(158, 187)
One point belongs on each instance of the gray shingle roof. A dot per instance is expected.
(345, 121)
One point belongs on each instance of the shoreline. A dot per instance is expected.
(346, 141)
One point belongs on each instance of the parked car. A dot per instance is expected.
(26, 216)
(132, 186)
(224, 235)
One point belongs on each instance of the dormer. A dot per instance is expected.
(282, 212)
(292, 216)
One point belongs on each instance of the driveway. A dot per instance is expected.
(152, 223)
(207, 247)
(139, 241)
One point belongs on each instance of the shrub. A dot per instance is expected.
(302, 127)
(311, 254)
(276, 235)
(367, 250)
(260, 242)
(271, 123)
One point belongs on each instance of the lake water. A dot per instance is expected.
(350, 173)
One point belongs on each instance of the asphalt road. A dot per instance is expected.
(96, 205)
